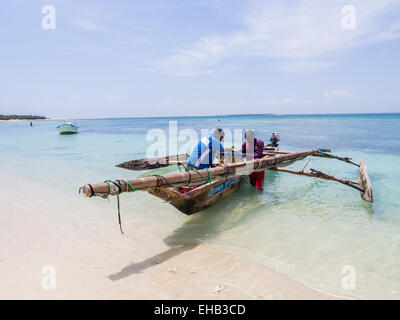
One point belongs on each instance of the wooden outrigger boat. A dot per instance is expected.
(191, 199)
(193, 190)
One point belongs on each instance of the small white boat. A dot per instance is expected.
(67, 128)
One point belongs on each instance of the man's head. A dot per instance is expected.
(249, 135)
(219, 134)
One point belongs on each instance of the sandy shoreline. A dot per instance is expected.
(29, 120)
(92, 260)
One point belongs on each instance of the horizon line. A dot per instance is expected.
(230, 115)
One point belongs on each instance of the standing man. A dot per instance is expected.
(204, 153)
(254, 148)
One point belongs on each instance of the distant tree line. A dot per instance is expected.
(20, 117)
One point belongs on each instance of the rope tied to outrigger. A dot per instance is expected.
(226, 168)
(115, 187)
(160, 183)
(186, 169)
(206, 179)
(160, 179)
(119, 215)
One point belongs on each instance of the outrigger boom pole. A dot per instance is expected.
(271, 161)
(173, 178)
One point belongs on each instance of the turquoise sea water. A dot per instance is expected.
(307, 228)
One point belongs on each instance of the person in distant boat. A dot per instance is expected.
(204, 153)
(253, 148)
(274, 139)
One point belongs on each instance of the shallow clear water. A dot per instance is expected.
(307, 228)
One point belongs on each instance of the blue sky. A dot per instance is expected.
(186, 57)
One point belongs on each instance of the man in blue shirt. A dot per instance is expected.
(204, 153)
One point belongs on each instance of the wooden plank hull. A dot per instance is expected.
(153, 163)
(199, 198)
(160, 162)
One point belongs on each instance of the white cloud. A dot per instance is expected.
(301, 34)
(304, 66)
(86, 24)
(126, 38)
(337, 94)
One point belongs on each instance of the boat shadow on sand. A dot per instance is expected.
(202, 227)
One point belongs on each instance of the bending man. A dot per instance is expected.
(204, 153)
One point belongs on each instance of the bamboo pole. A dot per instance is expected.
(321, 175)
(241, 168)
(331, 156)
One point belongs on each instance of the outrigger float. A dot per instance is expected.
(193, 190)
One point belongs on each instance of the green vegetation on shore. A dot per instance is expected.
(20, 117)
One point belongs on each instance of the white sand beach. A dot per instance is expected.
(93, 260)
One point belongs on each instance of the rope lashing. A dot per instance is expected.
(160, 179)
(118, 184)
(209, 175)
(186, 170)
(179, 164)
(226, 168)
(190, 177)
(115, 187)
(130, 185)
(119, 215)
(206, 179)
(159, 184)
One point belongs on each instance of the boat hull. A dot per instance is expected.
(200, 197)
